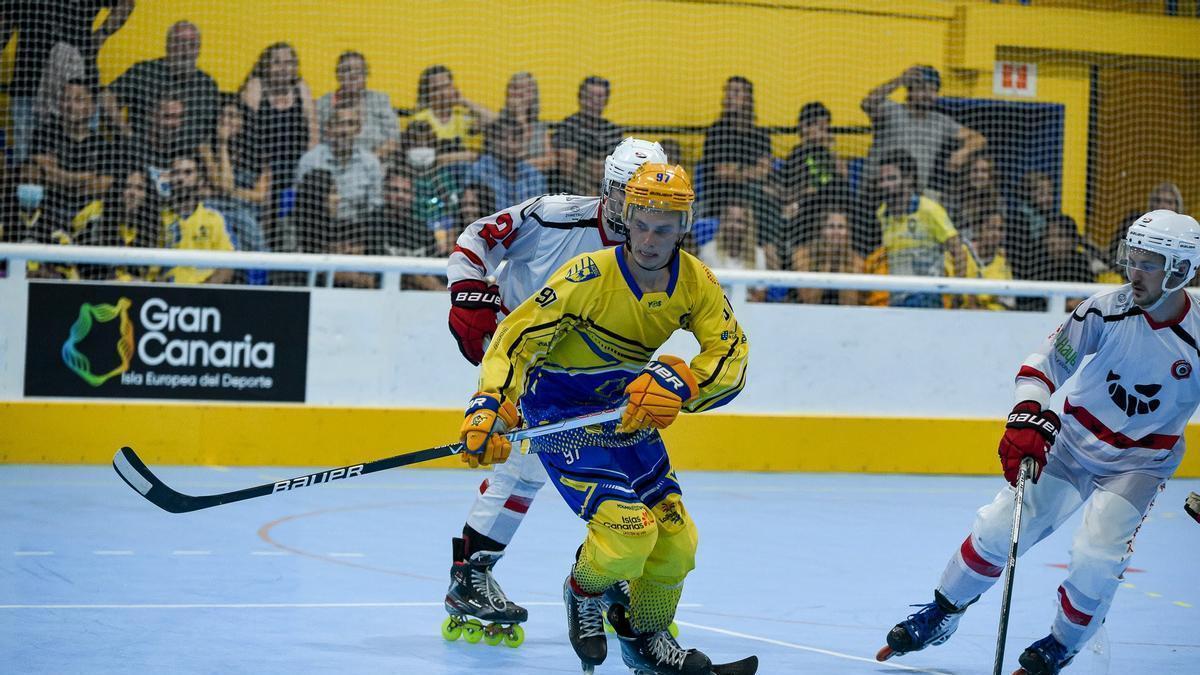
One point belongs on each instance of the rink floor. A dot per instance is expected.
(807, 571)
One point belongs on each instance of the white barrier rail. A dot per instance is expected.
(739, 281)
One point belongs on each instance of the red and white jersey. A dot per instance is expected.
(524, 244)
(1129, 405)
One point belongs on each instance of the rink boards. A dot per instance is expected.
(329, 376)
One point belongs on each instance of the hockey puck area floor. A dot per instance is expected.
(808, 571)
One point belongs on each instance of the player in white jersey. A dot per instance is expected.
(521, 247)
(1121, 438)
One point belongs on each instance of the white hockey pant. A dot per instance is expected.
(1100, 551)
(505, 496)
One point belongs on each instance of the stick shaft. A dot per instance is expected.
(1028, 469)
(138, 476)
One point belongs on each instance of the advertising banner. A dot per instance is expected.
(128, 341)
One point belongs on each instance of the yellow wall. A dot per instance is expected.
(214, 434)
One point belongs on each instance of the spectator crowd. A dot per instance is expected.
(160, 157)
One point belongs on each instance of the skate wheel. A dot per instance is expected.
(515, 636)
(884, 654)
(608, 627)
(673, 629)
(493, 638)
(472, 631)
(451, 629)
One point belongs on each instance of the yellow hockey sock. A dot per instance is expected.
(653, 604)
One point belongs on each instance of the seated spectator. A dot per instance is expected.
(176, 74)
(352, 238)
(189, 225)
(380, 131)
(395, 230)
(916, 127)
(1061, 259)
(474, 203)
(811, 179)
(1165, 195)
(916, 231)
(974, 192)
(152, 152)
(28, 226)
(733, 245)
(238, 177)
(584, 139)
(674, 152)
(456, 121)
(829, 250)
(502, 166)
(435, 193)
(522, 102)
(41, 26)
(309, 226)
(132, 219)
(73, 163)
(358, 173)
(284, 119)
(736, 162)
(986, 259)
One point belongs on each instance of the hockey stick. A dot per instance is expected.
(1028, 469)
(138, 476)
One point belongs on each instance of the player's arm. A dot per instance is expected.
(474, 301)
(522, 341)
(720, 367)
(1032, 428)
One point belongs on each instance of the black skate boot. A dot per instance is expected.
(655, 653)
(474, 593)
(933, 624)
(585, 626)
(1047, 656)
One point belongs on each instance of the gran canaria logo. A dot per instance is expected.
(102, 313)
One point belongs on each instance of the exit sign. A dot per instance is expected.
(1014, 78)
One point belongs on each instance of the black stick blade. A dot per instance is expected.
(747, 666)
(138, 476)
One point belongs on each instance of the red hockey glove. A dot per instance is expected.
(1192, 506)
(473, 307)
(483, 429)
(657, 394)
(1029, 433)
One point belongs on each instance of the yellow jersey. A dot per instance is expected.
(573, 346)
(203, 230)
(914, 240)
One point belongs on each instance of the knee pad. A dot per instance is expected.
(621, 536)
(674, 553)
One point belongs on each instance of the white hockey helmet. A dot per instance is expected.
(1173, 236)
(619, 167)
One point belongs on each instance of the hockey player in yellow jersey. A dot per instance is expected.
(586, 342)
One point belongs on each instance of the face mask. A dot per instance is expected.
(421, 158)
(29, 195)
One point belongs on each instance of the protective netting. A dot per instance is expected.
(967, 138)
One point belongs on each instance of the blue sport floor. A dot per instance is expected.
(807, 571)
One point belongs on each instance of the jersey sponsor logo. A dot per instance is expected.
(1062, 347)
(584, 270)
(1181, 369)
(1128, 403)
(685, 321)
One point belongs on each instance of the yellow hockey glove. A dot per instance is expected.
(657, 394)
(483, 428)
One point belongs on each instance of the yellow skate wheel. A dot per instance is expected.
(608, 627)
(472, 631)
(673, 629)
(493, 635)
(451, 629)
(515, 637)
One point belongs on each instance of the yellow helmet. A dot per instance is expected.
(660, 187)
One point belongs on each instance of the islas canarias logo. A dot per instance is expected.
(89, 315)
